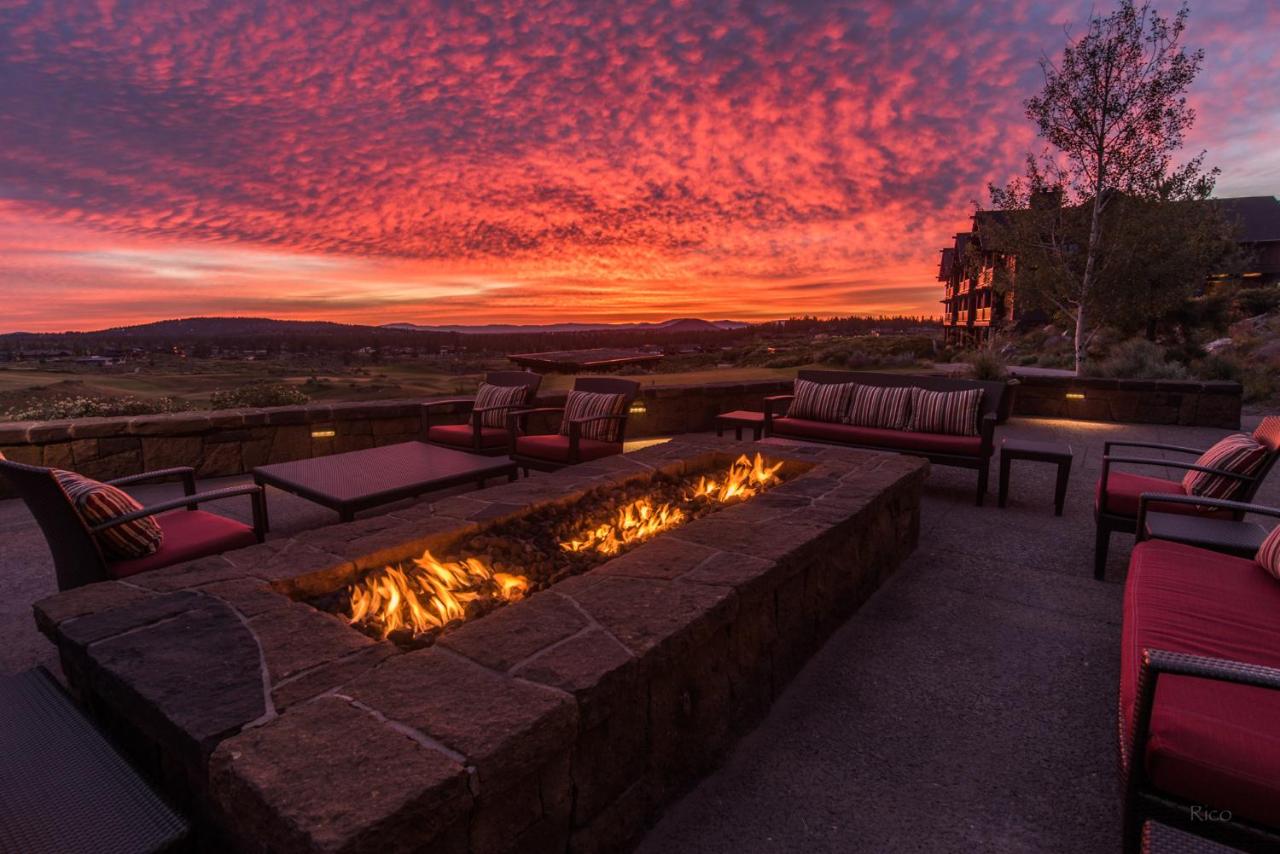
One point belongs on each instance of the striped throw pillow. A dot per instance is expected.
(1237, 453)
(887, 407)
(98, 503)
(952, 412)
(821, 401)
(588, 404)
(488, 396)
(1269, 553)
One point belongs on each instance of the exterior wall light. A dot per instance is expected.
(323, 434)
(1074, 395)
(637, 408)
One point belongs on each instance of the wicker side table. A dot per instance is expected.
(1057, 453)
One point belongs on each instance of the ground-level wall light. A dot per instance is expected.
(1074, 395)
(637, 408)
(323, 434)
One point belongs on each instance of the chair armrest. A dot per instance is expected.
(188, 502)
(1157, 662)
(453, 401)
(589, 419)
(186, 473)
(1173, 464)
(987, 430)
(773, 403)
(518, 418)
(1239, 507)
(1107, 446)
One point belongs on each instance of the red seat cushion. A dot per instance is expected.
(462, 436)
(879, 437)
(188, 534)
(1124, 489)
(1212, 743)
(556, 448)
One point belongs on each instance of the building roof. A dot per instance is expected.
(569, 361)
(1258, 217)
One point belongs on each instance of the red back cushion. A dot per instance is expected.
(1237, 453)
(589, 404)
(98, 503)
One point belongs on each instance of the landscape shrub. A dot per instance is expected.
(1219, 366)
(987, 364)
(1250, 302)
(258, 394)
(1136, 358)
(81, 406)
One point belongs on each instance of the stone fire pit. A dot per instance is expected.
(561, 722)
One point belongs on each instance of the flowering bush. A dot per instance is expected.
(258, 394)
(80, 406)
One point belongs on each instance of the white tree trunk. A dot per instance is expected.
(1086, 281)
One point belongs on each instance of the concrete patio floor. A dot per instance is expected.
(968, 706)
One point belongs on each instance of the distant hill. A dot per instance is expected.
(682, 324)
(220, 327)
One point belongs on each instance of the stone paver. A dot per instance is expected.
(969, 705)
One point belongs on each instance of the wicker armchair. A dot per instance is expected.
(192, 533)
(1116, 505)
(473, 435)
(551, 451)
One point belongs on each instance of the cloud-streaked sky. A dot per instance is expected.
(536, 161)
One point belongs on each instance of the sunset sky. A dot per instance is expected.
(534, 162)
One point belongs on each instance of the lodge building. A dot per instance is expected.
(979, 293)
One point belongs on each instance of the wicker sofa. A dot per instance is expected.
(1199, 712)
(973, 452)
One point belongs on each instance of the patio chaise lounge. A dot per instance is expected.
(1200, 688)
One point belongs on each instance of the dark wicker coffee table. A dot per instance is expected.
(739, 418)
(1057, 453)
(358, 480)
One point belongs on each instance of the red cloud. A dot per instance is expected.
(514, 163)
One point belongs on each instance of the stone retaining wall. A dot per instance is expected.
(227, 442)
(560, 723)
(1184, 402)
(234, 441)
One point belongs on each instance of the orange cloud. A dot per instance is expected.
(373, 162)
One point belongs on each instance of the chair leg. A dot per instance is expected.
(1101, 545)
(982, 481)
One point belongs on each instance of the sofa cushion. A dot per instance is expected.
(1237, 453)
(1211, 742)
(876, 437)
(498, 400)
(99, 503)
(821, 401)
(188, 534)
(589, 404)
(887, 407)
(951, 412)
(556, 448)
(461, 436)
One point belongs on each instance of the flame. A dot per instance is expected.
(641, 519)
(429, 594)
